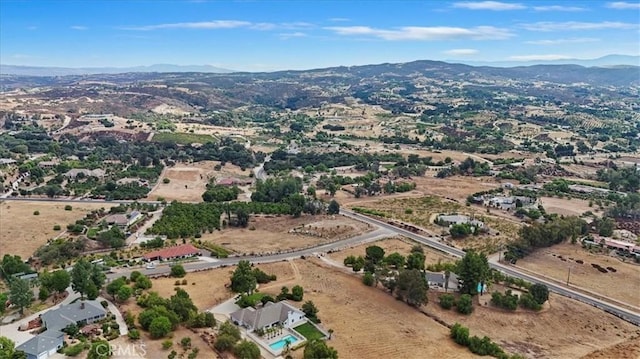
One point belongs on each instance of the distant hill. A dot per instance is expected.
(605, 61)
(66, 71)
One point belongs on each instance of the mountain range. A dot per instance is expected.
(605, 61)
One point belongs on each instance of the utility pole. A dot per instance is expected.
(568, 275)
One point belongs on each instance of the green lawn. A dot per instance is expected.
(92, 233)
(308, 331)
(182, 138)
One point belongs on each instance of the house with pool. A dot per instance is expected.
(275, 326)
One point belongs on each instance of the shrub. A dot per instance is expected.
(104, 303)
(540, 293)
(74, 350)
(464, 305)
(43, 294)
(166, 180)
(184, 282)
(460, 334)
(68, 207)
(528, 301)
(160, 327)
(167, 344)
(507, 300)
(134, 334)
(57, 227)
(177, 282)
(185, 342)
(368, 279)
(178, 271)
(447, 301)
(36, 213)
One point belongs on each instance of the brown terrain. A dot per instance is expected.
(273, 233)
(622, 285)
(22, 232)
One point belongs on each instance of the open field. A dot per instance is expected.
(567, 329)
(182, 138)
(23, 232)
(567, 207)
(272, 233)
(188, 181)
(623, 285)
(629, 349)
(368, 322)
(399, 244)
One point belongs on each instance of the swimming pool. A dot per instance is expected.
(282, 342)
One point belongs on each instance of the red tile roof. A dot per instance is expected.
(172, 252)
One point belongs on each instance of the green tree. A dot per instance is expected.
(86, 279)
(472, 269)
(243, 280)
(415, 260)
(460, 334)
(318, 349)
(124, 293)
(20, 293)
(368, 279)
(177, 270)
(43, 293)
(310, 310)
(224, 342)
(464, 305)
(540, 293)
(143, 282)
(242, 215)
(395, 259)
(160, 327)
(60, 280)
(297, 292)
(99, 350)
(115, 285)
(246, 350)
(375, 254)
(412, 286)
(334, 206)
(227, 328)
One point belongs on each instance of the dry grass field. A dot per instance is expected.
(272, 233)
(21, 232)
(367, 322)
(567, 329)
(629, 349)
(623, 285)
(567, 207)
(188, 181)
(425, 209)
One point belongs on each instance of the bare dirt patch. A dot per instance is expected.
(208, 290)
(623, 284)
(567, 329)
(23, 232)
(629, 349)
(188, 181)
(366, 321)
(567, 207)
(272, 233)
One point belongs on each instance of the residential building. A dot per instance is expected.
(171, 253)
(450, 220)
(270, 315)
(48, 342)
(438, 280)
(86, 172)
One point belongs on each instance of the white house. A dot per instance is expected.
(270, 315)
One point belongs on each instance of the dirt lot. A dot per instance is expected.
(188, 181)
(23, 232)
(504, 227)
(269, 234)
(629, 349)
(567, 329)
(208, 290)
(366, 321)
(623, 285)
(567, 207)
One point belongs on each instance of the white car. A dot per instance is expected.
(151, 266)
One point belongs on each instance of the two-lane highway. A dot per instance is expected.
(624, 313)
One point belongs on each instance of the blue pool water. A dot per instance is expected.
(282, 342)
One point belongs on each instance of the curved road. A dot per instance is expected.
(385, 230)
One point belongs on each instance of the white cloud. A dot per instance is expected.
(338, 19)
(546, 57)
(558, 8)
(621, 5)
(572, 40)
(488, 5)
(425, 33)
(461, 52)
(576, 25)
(216, 24)
(290, 35)
(79, 27)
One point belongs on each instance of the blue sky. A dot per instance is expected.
(273, 35)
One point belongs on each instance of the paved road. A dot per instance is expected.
(385, 231)
(623, 313)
